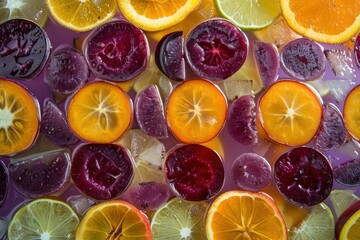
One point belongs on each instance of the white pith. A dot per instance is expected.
(14, 4)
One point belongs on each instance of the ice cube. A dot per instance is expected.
(320, 86)
(3, 228)
(236, 88)
(262, 147)
(340, 88)
(281, 33)
(80, 203)
(350, 149)
(341, 63)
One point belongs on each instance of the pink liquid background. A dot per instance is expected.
(59, 35)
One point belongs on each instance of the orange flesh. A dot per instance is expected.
(100, 112)
(352, 112)
(157, 9)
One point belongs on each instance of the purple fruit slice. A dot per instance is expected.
(149, 111)
(303, 59)
(66, 71)
(267, 62)
(149, 196)
(169, 56)
(303, 176)
(357, 50)
(102, 171)
(348, 173)
(4, 182)
(194, 172)
(332, 132)
(216, 49)
(251, 172)
(117, 51)
(242, 121)
(55, 127)
(41, 174)
(24, 49)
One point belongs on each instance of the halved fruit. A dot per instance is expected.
(114, 220)
(352, 112)
(347, 226)
(100, 112)
(196, 111)
(290, 112)
(19, 118)
(244, 215)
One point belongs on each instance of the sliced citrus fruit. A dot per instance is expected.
(249, 14)
(352, 112)
(81, 15)
(156, 15)
(43, 219)
(100, 112)
(323, 21)
(179, 219)
(290, 112)
(342, 199)
(319, 224)
(19, 118)
(244, 215)
(113, 219)
(33, 10)
(347, 226)
(196, 111)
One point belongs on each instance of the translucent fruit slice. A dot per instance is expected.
(179, 219)
(4, 182)
(348, 173)
(43, 219)
(244, 215)
(100, 112)
(196, 111)
(341, 200)
(319, 224)
(351, 112)
(19, 118)
(235, 88)
(290, 112)
(114, 220)
(81, 16)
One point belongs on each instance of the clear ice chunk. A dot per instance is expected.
(236, 88)
(281, 33)
(80, 203)
(3, 228)
(341, 63)
(340, 88)
(262, 147)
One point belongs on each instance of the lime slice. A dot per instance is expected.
(341, 200)
(249, 14)
(34, 10)
(319, 224)
(44, 219)
(179, 219)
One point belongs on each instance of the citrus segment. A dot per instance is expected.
(244, 215)
(351, 228)
(196, 111)
(290, 112)
(113, 220)
(253, 14)
(43, 219)
(100, 112)
(323, 21)
(81, 15)
(352, 112)
(19, 118)
(156, 15)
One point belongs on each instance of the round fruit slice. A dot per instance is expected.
(244, 215)
(341, 200)
(348, 224)
(156, 15)
(348, 173)
(81, 15)
(253, 14)
(312, 20)
(19, 118)
(114, 220)
(4, 182)
(196, 111)
(24, 49)
(102, 171)
(194, 172)
(290, 112)
(303, 176)
(179, 219)
(100, 112)
(117, 57)
(319, 224)
(352, 112)
(43, 219)
(216, 49)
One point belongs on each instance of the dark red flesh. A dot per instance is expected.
(194, 172)
(4, 182)
(357, 50)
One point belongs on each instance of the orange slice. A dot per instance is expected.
(196, 111)
(100, 112)
(81, 15)
(113, 220)
(290, 112)
(19, 118)
(351, 228)
(323, 21)
(352, 112)
(244, 215)
(156, 15)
